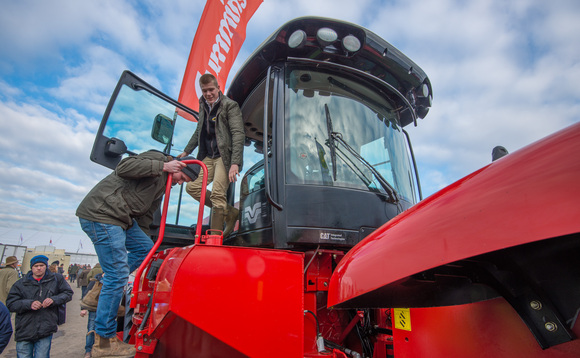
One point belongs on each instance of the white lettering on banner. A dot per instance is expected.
(197, 86)
(223, 39)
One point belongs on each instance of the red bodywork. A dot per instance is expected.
(478, 330)
(215, 301)
(527, 196)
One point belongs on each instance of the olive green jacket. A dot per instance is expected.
(8, 276)
(133, 191)
(94, 272)
(229, 130)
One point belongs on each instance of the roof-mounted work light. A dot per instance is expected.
(351, 43)
(297, 39)
(423, 90)
(326, 36)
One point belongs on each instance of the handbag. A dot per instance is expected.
(61, 314)
(91, 299)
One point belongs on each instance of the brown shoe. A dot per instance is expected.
(217, 219)
(87, 355)
(231, 218)
(112, 347)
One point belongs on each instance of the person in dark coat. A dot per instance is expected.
(5, 327)
(83, 280)
(35, 299)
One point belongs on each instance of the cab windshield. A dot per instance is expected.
(342, 131)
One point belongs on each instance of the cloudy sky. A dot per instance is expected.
(503, 73)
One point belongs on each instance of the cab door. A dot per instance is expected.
(139, 118)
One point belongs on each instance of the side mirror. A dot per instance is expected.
(498, 152)
(162, 129)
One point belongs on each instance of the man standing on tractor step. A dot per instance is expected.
(220, 137)
(116, 215)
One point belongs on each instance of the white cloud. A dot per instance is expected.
(8, 91)
(45, 172)
(89, 85)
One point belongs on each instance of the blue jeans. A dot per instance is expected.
(90, 340)
(34, 349)
(112, 244)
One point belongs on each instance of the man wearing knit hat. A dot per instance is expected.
(116, 215)
(35, 299)
(8, 275)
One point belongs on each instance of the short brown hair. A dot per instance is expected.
(207, 78)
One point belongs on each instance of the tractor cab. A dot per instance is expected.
(326, 158)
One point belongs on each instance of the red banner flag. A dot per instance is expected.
(218, 39)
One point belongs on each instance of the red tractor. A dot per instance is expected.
(335, 254)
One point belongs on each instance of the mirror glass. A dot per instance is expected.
(162, 130)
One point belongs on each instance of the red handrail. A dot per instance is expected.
(145, 262)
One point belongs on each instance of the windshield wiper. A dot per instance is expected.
(384, 183)
(356, 170)
(331, 141)
(332, 136)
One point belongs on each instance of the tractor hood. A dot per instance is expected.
(440, 251)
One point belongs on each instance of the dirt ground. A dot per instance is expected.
(69, 341)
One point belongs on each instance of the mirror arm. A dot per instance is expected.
(115, 147)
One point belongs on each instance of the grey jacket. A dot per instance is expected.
(229, 132)
(133, 191)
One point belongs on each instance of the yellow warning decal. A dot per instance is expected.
(402, 318)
